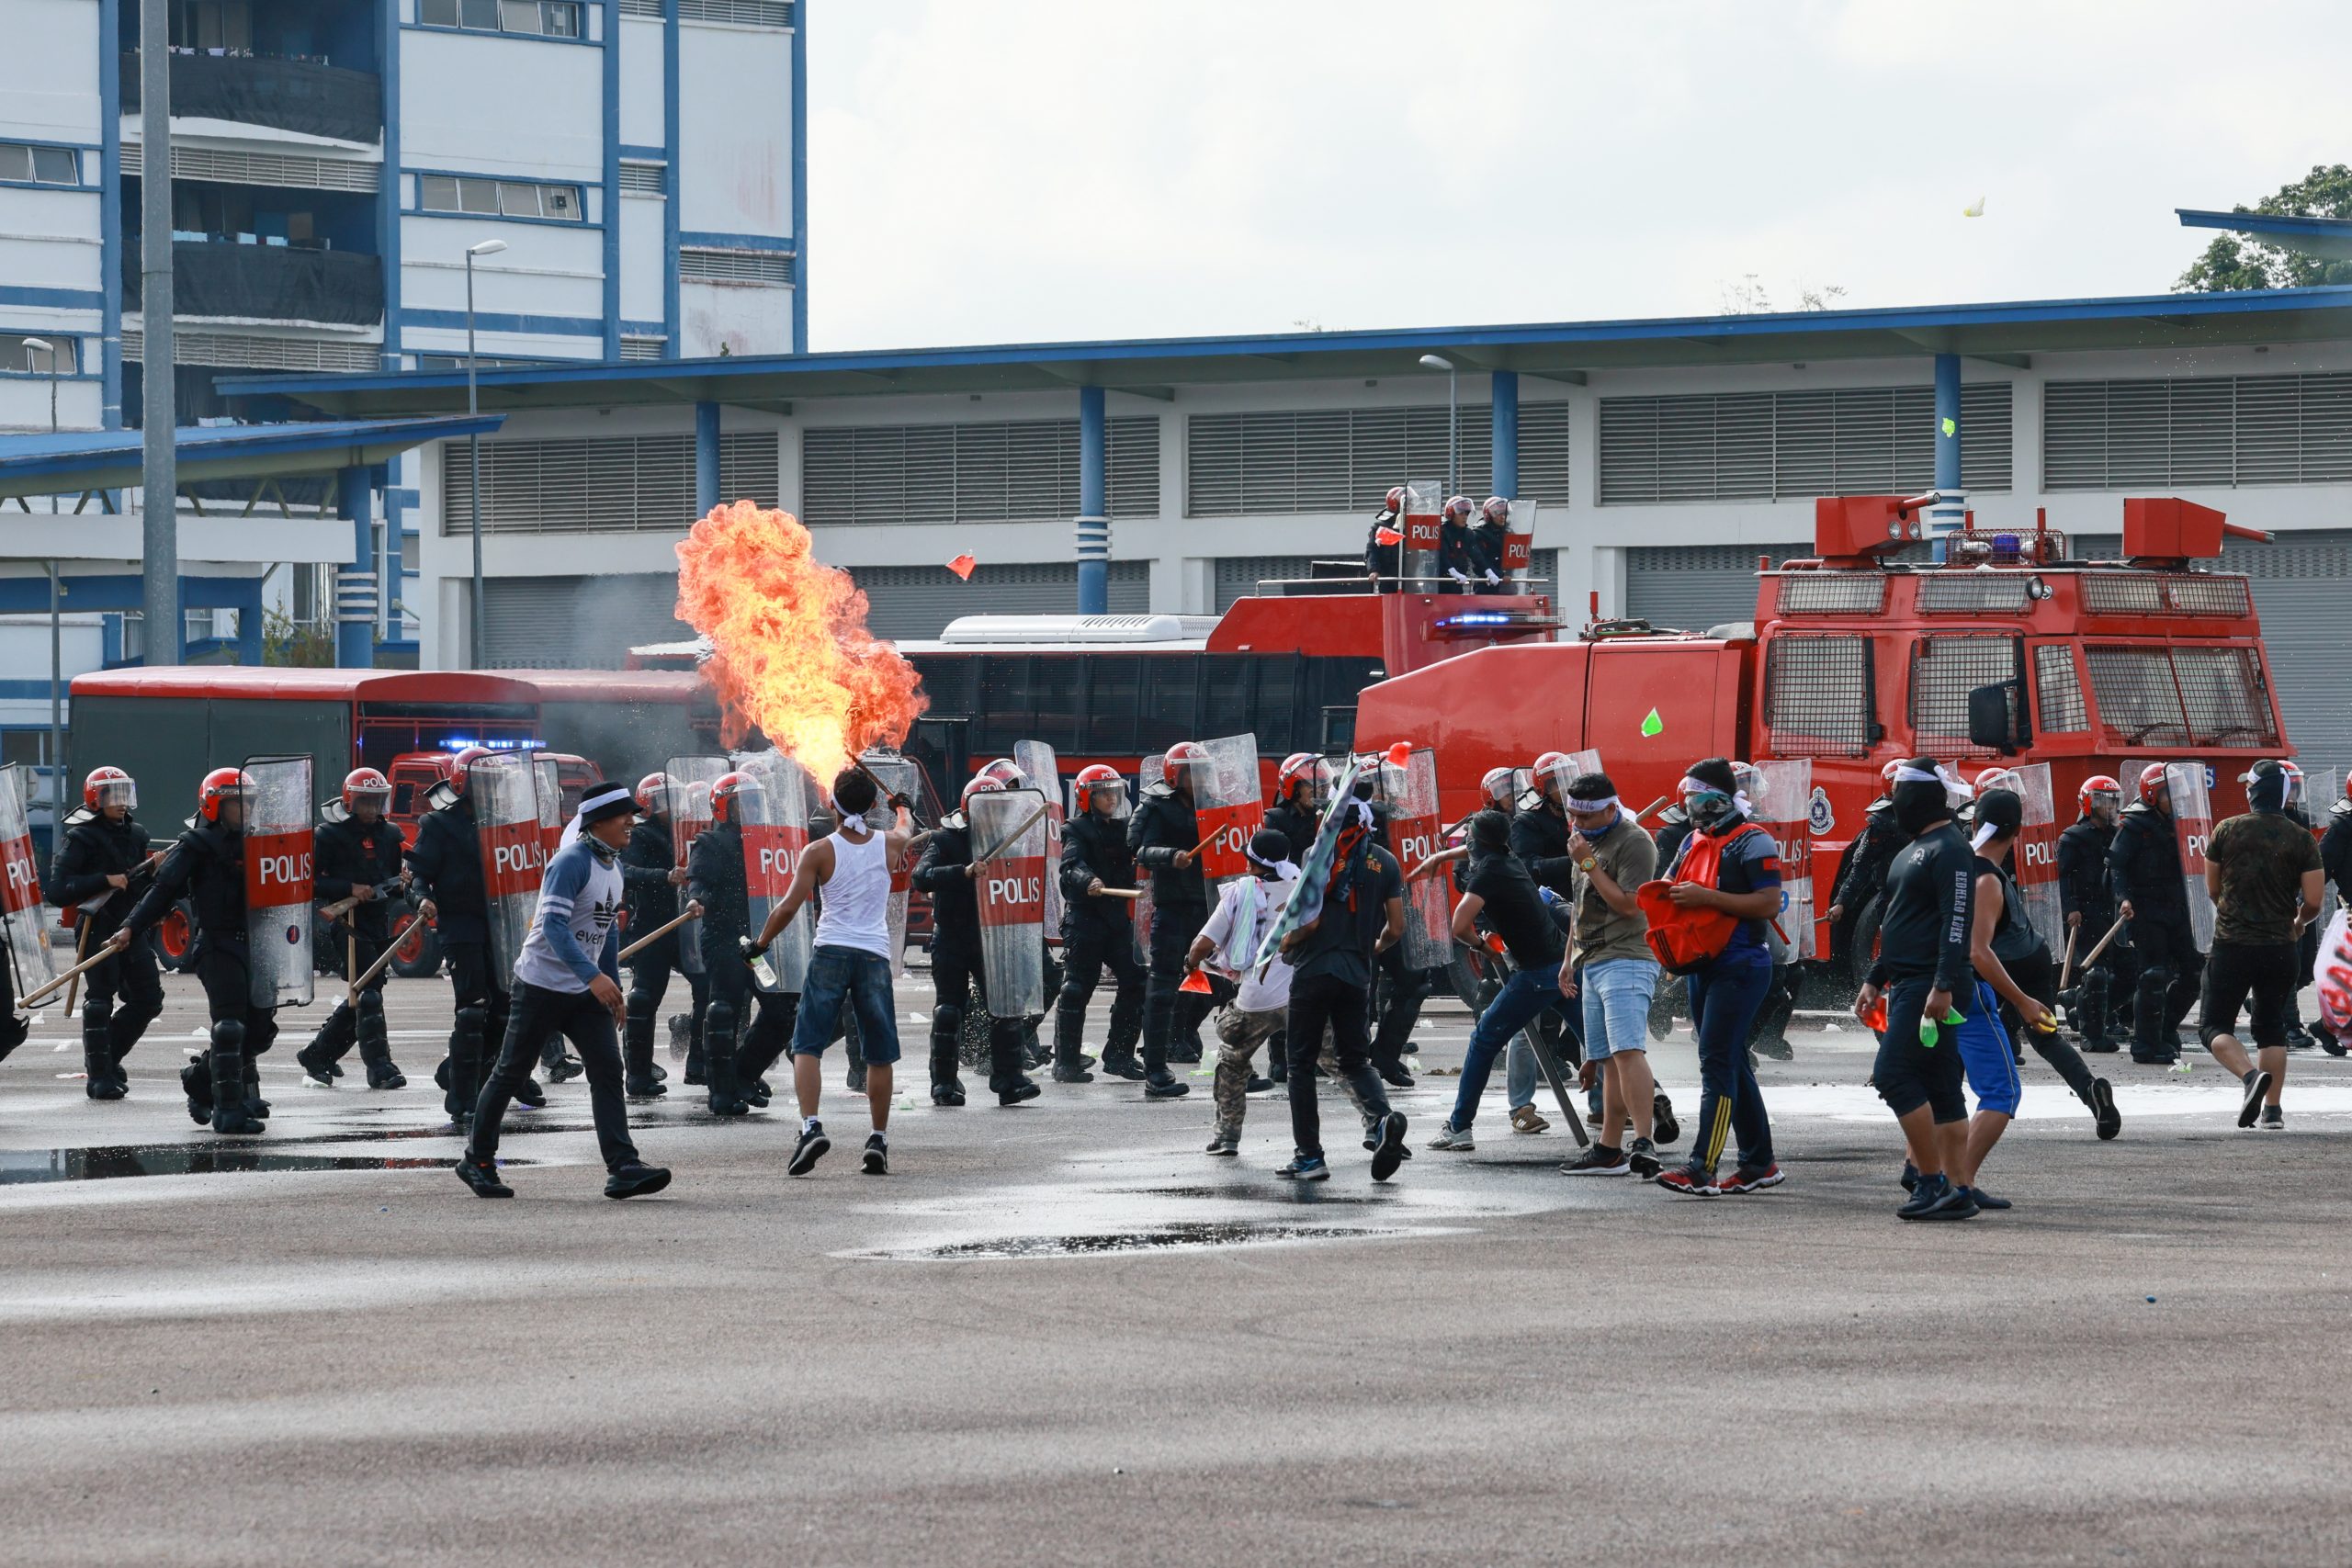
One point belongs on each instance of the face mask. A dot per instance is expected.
(1708, 807)
(1594, 835)
(1919, 805)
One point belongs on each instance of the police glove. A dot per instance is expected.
(1461, 577)
(1492, 579)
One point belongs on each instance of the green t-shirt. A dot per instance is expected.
(1630, 857)
(2263, 856)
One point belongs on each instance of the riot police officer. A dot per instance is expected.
(650, 877)
(1098, 928)
(358, 857)
(734, 1058)
(946, 873)
(2089, 905)
(207, 866)
(1164, 837)
(446, 866)
(2144, 870)
(104, 848)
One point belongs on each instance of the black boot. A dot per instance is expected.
(99, 1075)
(319, 1059)
(2152, 1044)
(1070, 1026)
(376, 1043)
(463, 1080)
(946, 1038)
(196, 1082)
(637, 1056)
(1008, 1062)
(719, 1061)
(697, 1065)
(256, 1106)
(230, 1115)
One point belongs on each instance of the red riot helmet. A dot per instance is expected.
(222, 785)
(1886, 775)
(461, 764)
(723, 792)
(1497, 511)
(981, 784)
(1097, 776)
(1304, 773)
(110, 787)
(653, 792)
(1182, 760)
(366, 782)
(1006, 771)
(2094, 786)
(1397, 499)
(2152, 785)
(1458, 507)
(1498, 787)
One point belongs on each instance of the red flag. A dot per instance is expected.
(1197, 983)
(1400, 754)
(1388, 536)
(962, 567)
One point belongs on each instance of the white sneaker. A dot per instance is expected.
(1451, 1137)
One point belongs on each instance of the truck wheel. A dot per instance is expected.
(417, 946)
(176, 936)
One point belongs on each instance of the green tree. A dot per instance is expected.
(286, 641)
(2235, 261)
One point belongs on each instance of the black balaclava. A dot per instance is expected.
(1490, 834)
(1918, 796)
(2265, 788)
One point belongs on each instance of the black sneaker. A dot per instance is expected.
(2272, 1121)
(1306, 1167)
(2327, 1039)
(648, 1088)
(2110, 1120)
(808, 1150)
(1393, 1075)
(532, 1095)
(1642, 1157)
(1777, 1048)
(1984, 1200)
(635, 1182)
(565, 1070)
(1391, 1152)
(1256, 1085)
(1167, 1086)
(878, 1154)
(2257, 1083)
(1926, 1192)
(385, 1074)
(1664, 1128)
(482, 1175)
(1952, 1203)
(1600, 1159)
(1910, 1177)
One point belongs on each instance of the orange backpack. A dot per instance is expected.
(1685, 939)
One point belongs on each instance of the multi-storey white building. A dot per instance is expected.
(333, 161)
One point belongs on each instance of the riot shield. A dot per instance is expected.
(1424, 504)
(547, 779)
(1414, 831)
(1783, 807)
(1554, 781)
(2034, 860)
(774, 819)
(1519, 538)
(1008, 830)
(23, 933)
(1037, 759)
(1226, 806)
(277, 881)
(690, 782)
(1149, 772)
(2317, 800)
(504, 787)
(899, 775)
(2193, 826)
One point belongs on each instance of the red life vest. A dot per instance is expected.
(1691, 937)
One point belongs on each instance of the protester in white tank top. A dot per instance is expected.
(856, 911)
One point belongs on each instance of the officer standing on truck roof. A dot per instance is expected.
(445, 864)
(359, 858)
(1384, 563)
(103, 850)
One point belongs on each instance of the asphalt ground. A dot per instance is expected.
(1060, 1334)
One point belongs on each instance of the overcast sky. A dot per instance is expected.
(990, 171)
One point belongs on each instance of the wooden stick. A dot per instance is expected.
(2112, 932)
(656, 934)
(1653, 806)
(336, 911)
(1035, 818)
(368, 977)
(80, 948)
(2066, 970)
(30, 998)
(351, 957)
(1120, 893)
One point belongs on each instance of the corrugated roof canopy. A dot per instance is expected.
(75, 461)
(1154, 366)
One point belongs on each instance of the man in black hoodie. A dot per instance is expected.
(2143, 872)
(103, 849)
(1925, 974)
(650, 877)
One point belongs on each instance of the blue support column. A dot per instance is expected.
(706, 459)
(1093, 505)
(355, 588)
(1506, 397)
(1950, 512)
(249, 623)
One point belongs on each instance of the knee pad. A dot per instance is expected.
(228, 1035)
(719, 1026)
(946, 1020)
(642, 1006)
(371, 1004)
(95, 1014)
(470, 1022)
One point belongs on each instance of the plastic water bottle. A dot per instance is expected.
(1928, 1032)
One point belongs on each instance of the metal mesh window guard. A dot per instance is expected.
(1944, 670)
(2182, 696)
(1817, 695)
(2138, 703)
(2121, 593)
(2222, 693)
(2059, 709)
(1973, 592)
(2197, 595)
(1832, 593)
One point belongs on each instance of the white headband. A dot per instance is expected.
(1906, 773)
(1603, 803)
(593, 801)
(1985, 835)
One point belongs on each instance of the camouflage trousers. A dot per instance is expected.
(1239, 1034)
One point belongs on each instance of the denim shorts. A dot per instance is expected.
(1616, 994)
(864, 979)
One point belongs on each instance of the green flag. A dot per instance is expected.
(1652, 726)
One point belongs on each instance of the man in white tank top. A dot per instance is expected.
(852, 960)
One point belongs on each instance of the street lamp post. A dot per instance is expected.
(56, 658)
(473, 451)
(1453, 421)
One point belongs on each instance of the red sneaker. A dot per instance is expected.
(1744, 1180)
(1690, 1181)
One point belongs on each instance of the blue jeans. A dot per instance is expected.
(1725, 998)
(863, 977)
(1523, 997)
(1616, 994)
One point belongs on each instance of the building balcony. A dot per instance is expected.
(299, 96)
(224, 279)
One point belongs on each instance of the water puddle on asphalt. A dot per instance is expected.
(1177, 1236)
(23, 1166)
